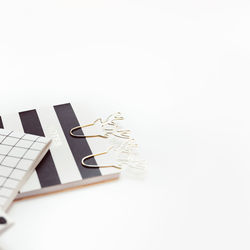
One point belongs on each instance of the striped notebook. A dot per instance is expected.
(61, 167)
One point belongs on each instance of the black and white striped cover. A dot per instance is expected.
(61, 167)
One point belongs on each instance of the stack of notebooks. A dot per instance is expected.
(61, 166)
(38, 155)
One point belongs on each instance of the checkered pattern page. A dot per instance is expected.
(18, 154)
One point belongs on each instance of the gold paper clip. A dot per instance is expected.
(98, 166)
(109, 126)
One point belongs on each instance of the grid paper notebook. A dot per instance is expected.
(61, 167)
(20, 153)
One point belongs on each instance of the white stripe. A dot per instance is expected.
(96, 144)
(64, 161)
(13, 122)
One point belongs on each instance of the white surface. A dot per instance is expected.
(179, 71)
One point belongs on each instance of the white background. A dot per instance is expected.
(179, 71)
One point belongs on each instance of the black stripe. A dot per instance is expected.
(1, 122)
(46, 170)
(78, 146)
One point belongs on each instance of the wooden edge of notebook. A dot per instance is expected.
(68, 187)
